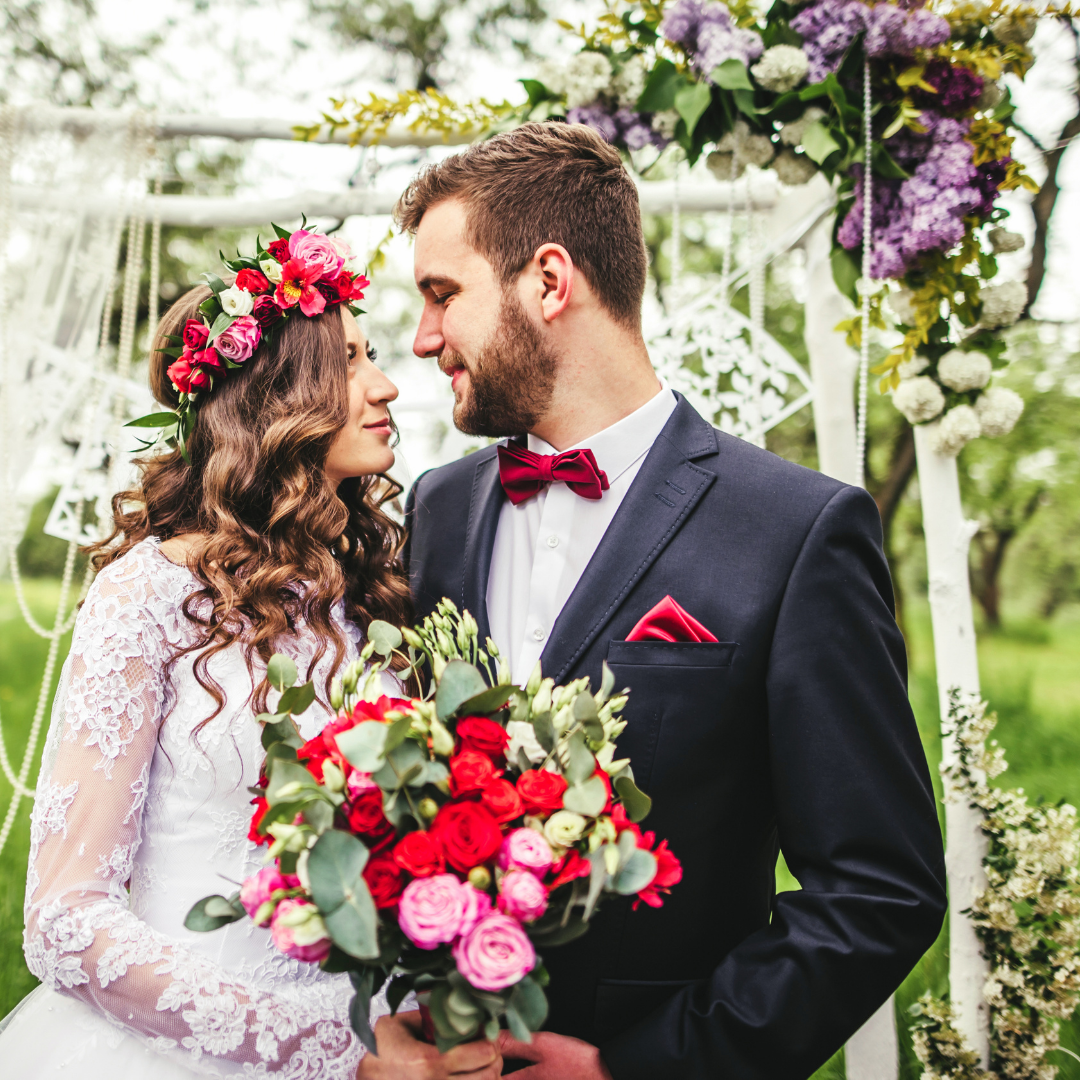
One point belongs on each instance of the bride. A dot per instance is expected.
(265, 535)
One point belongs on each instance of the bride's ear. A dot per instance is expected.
(556, 272)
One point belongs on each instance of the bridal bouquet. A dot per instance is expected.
(440, 841)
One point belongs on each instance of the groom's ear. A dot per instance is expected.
(555, 270)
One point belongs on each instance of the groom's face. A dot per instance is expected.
(501, 368)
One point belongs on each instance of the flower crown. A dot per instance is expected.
(303, 271)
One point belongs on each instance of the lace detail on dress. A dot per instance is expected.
(130, 799)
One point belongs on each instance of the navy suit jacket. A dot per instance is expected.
(792, 730)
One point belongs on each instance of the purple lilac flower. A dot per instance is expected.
(958, 88)
(925, 212)
(830, 26)
(632, 129)
(705, 29)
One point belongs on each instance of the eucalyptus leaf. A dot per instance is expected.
(297, 699)
(397, 991)
(636, 874)
(202, 921)
(607, 682)
(518, 1028)
(732, 75)
(636, 802)
(284, 772)
(530, 1002)
(691, 102)
(585, 707)
(281, 672)
(334, 866)
(575, 926)
(360, 1008)
(588, 798)
(319, 814)
(280, 729)
(598, 877)
(459, 683)
(582, 764)
(399, 729)
(384, 637)
(403, 766)
(280, 749)
(363, 745)
(545, 730)
(487, 702)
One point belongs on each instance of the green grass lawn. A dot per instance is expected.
(1031, 677)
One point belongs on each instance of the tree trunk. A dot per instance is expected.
(887, 497)
(988, 587)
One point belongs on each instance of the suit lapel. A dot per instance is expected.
(662, 496)
(484, 506)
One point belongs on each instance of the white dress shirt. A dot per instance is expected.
(543, 544)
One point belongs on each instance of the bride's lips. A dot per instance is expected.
(382, 427)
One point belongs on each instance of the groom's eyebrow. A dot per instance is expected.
(434, 279)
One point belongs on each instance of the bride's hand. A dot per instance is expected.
(404, 1056)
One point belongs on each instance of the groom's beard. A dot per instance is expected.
(511, 381)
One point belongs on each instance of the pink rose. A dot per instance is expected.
(358, 783)
(316, 251)
(257, 889)
(477, 906)
(528, 850)
(431, 910)
(496, 954)
(522, 895)
(240, 340)
(298, 931)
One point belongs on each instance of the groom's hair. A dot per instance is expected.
(538, 184)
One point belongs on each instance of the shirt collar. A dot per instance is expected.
(616, 448)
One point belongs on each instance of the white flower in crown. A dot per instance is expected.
(961, 371)
(919, 399)
(958, 427)
(272, 269)
(236, 301)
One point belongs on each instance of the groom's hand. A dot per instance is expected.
(404, 1056)
(554, 1057)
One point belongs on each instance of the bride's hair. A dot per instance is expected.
(282, 540)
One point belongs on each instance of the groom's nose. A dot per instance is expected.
(429, 339)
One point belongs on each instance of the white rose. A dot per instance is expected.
(962, 371)
(998, 409)
(919, 399)
(781, 68)
(792, 134)
(793, 169)
(564, 828)
(958, 427)
(1002, 304)
(1003, 242)
(272, 269)
(902, 307)
(236, 301)
(523, 737)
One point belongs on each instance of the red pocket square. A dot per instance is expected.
(669, 622)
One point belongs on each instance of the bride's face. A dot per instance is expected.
(362, 447)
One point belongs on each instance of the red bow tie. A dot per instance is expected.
(524, 473)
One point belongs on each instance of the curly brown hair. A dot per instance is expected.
(279, 540)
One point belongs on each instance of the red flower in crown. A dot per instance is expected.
(280, 250)
(252, 281)
(297, 286)
(266, 312)
(195, 334)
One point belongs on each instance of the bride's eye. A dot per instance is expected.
(372, 353)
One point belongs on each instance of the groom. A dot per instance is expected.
(784, 725)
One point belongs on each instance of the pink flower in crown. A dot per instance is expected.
(318, 251)
(297, 286)
(495, 954)
(240, 340)
(522, 895)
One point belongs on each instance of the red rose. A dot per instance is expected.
(479, 733)
(261, 806)
(541, 790)
(195, 334)
(344, 288)
(471, 771)
(179, 373)
(367, 820)
(252, 281)
(502, 799)
(329, 291)
(571, 867)
(383, 877)
(280, 250)
(607, 787)
(266, 311)
(206, 358)
(622, 822)
(420, 854)
(469, 835)
(312, 755)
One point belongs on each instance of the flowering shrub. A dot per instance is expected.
(440, 841)
(1028, 917)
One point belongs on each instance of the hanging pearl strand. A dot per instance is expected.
(865, 285)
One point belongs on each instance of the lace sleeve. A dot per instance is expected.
(81, 938)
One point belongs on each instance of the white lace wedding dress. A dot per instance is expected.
(137, 816)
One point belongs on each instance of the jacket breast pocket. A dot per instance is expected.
(690, 654)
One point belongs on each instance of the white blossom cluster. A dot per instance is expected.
(582, 80)
(793, 169)
(781, 68)
(737, 149)
(961, 371)
(1002, 304)
(1027, 919)
(957, 428)
(792, 134)
(1003, 242)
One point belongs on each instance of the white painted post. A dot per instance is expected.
(948, 536)
(832, 363)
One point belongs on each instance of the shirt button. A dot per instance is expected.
(538, 634)
(553, 541)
